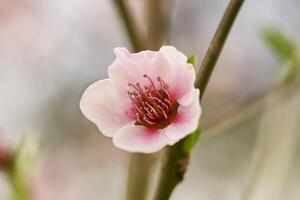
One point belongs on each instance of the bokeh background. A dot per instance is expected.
(50, 51)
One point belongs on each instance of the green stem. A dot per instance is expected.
(176, 157)
(171, 172)
(130, 25)
(140, 165)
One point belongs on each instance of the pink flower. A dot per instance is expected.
(148, 102)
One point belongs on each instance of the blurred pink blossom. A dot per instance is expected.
(5, 158)
(148, 102)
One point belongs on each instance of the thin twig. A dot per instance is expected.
(176, 160)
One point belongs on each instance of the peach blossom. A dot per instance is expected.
(149, 100)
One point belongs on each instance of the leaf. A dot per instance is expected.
(280, 44)
(190, 140)
(287, 52)
(25, 158)
(192, 60)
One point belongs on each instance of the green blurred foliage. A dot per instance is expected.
(286, 50)
(24, 161)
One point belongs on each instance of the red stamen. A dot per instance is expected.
(152, 105)
(145, 75)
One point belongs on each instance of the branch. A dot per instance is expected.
(140, 165)
(159, 20)
(131, 29)
(177, 156)
(139, 175)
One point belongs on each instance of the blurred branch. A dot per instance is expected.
(176, 160)
(132, 30)
(238, 112)
(140, 168)
(274, 151)
(287, 52)
(140, 165)
(159, 14)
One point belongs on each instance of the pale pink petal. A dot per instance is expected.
(130, 68)
(123, 53)
(182, 86)
(137, 138)
(169, 64)
(186, 120)
(103, 106)
(174, 56)
(181, 77)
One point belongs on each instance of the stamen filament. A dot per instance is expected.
(152, 105)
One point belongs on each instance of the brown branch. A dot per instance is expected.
(176, 160)
(136, 39)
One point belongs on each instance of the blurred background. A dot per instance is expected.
(50, 51)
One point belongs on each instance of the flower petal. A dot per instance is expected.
(183, 89)
(123, 53)
(138, 138)
(174, 56)
(169, 64)
(181, 77)
(186, 120)
(130, 68)
(101, 105)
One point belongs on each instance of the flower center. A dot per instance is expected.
(152, 106)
